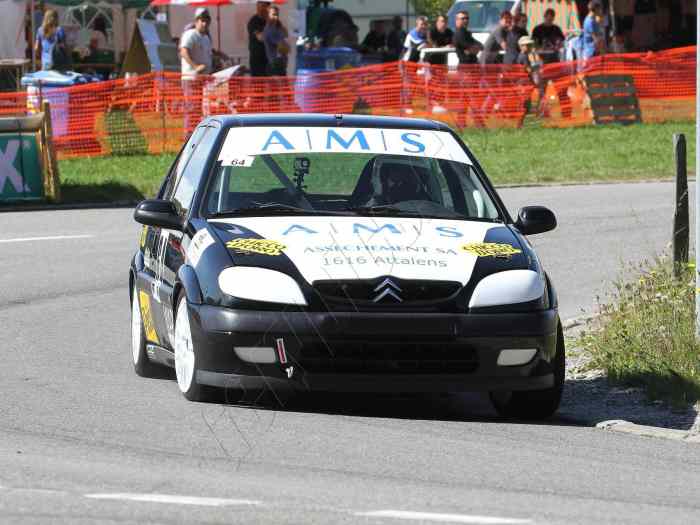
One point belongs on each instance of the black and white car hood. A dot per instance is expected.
(330, 248)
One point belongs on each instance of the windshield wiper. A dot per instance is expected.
(270, 208)
(389, 210)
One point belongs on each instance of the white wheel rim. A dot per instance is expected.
(184, 352)
(135, 327)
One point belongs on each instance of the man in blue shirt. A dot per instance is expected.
(593, 37)
(416, 40)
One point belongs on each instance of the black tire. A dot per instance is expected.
(193, 391)
(142, 365)
(535, 404)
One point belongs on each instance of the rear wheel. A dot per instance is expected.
(186, 357)
(142, 365)
(535, 404)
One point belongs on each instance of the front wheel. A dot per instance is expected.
(186, 357)
(535, 404)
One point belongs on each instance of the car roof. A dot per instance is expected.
(323, 120)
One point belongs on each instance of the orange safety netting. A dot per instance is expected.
(153, 113)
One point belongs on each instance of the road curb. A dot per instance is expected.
(74, 206)
(131, 204)
(585, 183)
(627, 427)
(574, 322)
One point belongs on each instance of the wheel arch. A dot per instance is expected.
(187, 281)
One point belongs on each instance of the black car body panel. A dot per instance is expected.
(343, 338)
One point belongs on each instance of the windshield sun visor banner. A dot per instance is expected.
(243, 144)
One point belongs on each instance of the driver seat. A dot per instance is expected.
(385, 182)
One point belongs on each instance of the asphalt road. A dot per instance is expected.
(83, 440)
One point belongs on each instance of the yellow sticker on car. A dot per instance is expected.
(144, 234)
(260, 246)
(147, 317)
(491, 249)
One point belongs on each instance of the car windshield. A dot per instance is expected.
(483, 16)
(336, 171)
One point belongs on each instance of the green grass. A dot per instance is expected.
(113, 179)
(586, 154)
(646, 335)
(528, 155)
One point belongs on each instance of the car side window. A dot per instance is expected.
(192, 174)
(180, 164)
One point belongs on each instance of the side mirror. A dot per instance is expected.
(156, 212)
(535, 219)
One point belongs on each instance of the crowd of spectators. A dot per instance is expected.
(504, 44)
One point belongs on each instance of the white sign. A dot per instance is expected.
(248, 142)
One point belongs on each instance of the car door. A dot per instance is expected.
(171, 254)
(160, 247)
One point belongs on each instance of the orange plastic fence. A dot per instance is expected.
(153, 113)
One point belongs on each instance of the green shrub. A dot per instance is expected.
(646, 335)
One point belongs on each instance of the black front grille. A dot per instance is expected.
(366, 291)
(374, 357)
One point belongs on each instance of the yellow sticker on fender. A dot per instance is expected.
(490, 249)
(261, 246)
(147, 318)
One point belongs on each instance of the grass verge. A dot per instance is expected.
(523, 156)
(587, 154)
(646, 335)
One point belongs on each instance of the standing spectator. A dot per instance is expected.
(466, 45)
(50, 43)
(593, 38)
(196, 53)
(396, 38)
(440, 36)
(276, 46)
(496, 42)
(531, 61)
(256, 44)
(196, 58)
(416, 40)
(376, 39)
(513, 37)
(98, 36)
(549, 38)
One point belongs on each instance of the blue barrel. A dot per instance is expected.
(305, 90)
(328, 59)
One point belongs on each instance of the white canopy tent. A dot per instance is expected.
(12, 37)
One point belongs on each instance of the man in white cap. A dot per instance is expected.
(532, 62)
(196, 51)
(196, 58)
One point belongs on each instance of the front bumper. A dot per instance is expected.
(373, 351)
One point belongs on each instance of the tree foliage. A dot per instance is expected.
(431, 8)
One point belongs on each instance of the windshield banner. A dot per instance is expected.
(242, 145)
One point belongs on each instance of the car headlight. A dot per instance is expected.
(260, 284)
(509, 287)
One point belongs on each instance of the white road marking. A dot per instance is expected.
(443, 518)
(52, 238)
(176, 500)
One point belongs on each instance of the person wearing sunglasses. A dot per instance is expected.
(466, 46)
